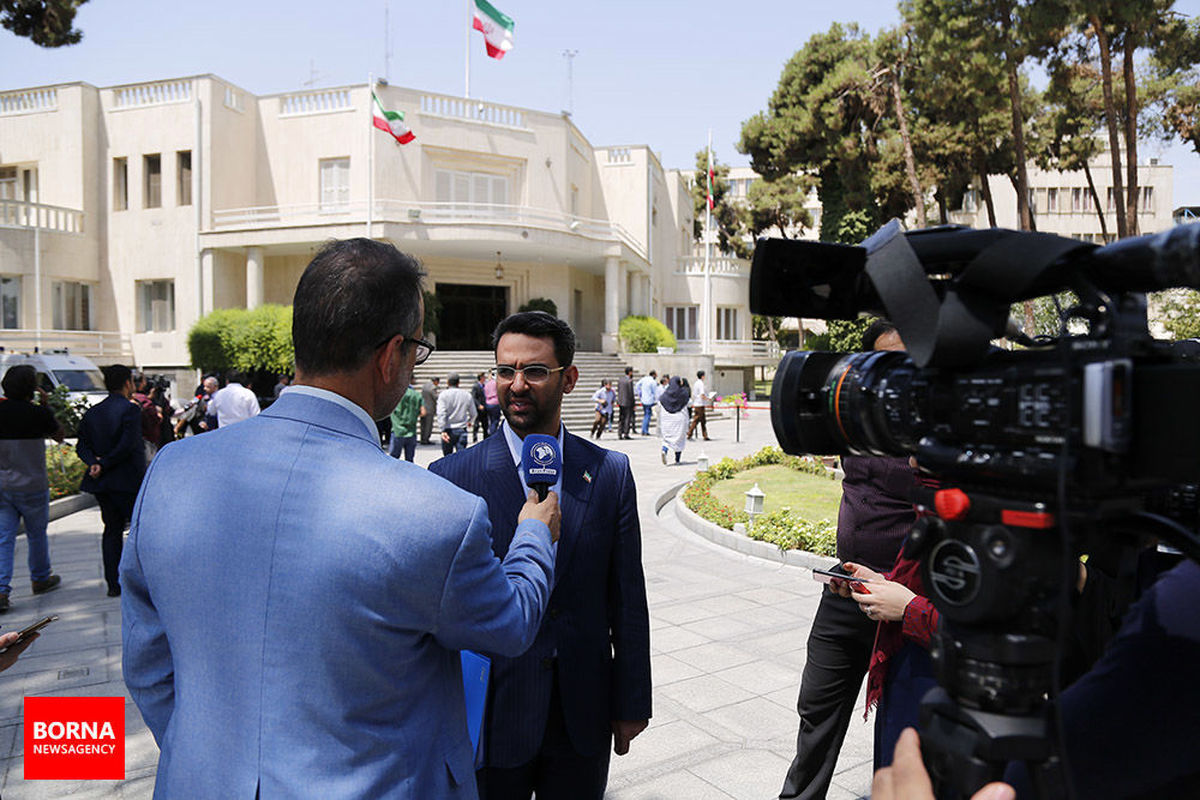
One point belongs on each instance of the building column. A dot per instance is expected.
(614, 283)
(254, 277)
(208, 293)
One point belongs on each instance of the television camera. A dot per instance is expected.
(1041, 452)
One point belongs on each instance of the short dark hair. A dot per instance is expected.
(540, 325)
(19, 382)
(355, 294)
(235, 376)
(116, 376)
(653, 374)
(879, 327)
(700, 373)
(629, 370)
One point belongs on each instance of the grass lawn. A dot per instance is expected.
(810, 497)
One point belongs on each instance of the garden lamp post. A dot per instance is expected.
(754, 503)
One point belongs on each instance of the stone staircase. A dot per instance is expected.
(577, 406)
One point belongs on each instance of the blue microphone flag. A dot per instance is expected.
(541, 461)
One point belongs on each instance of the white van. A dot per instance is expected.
(79, 374)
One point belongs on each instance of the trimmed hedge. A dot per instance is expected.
(644, 335)
(784, 529)
(244, 339)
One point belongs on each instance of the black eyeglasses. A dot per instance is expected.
(534, 373)
(424, 348)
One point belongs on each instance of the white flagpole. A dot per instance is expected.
(470, 19)
(707, 338)
(371, 154)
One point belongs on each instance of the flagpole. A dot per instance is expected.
(467, 82)
(707, 339)
(371, 154)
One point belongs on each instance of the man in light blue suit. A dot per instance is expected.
(555, 711)
(291, 628)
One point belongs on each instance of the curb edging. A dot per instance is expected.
(733, 541)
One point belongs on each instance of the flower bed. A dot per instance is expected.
(64, 470)
(782, 527)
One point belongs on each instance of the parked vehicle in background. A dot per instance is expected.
(79, 374)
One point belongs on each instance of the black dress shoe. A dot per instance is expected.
(49, 583)
(114, 591)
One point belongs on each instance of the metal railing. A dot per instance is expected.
(396, 211)
(28, 101)
(720, 265)
(441, 105)
(112, 345)
(20, 214)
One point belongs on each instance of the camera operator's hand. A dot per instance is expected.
(906, 778)
(886, 599)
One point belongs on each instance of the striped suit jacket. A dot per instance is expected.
(595, 633)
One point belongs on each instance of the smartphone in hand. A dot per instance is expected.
(830, 576)
(26, 632)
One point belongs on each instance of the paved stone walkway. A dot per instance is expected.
(727, 634)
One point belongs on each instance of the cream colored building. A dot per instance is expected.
(128, 212)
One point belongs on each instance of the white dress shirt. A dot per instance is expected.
(234, 403)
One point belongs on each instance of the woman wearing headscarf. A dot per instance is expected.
(673, 418)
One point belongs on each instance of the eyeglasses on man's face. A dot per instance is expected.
(424, 348)
(533, 374)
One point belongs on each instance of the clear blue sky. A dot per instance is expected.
(655, 73)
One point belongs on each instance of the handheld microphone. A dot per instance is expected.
(541, 461)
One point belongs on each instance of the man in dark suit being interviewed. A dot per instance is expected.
(585, 682)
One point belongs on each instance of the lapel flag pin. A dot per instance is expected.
(587, 476)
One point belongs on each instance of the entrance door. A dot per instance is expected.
(469, 315)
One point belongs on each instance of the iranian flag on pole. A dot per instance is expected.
(390, 121)
(497, 28)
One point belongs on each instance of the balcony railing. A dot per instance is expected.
(733, 349)
(395, 211)
(108, 345)
(19, 214)
(720, 265)
(28, 101)
(140, 95)
(441, 105)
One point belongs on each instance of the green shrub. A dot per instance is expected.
(64, 470)
(243, 339)
(644, 335)
(782, 527)
(541, 304)
(68, 412)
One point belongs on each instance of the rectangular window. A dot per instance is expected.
(1147, 204)
(682, 321)
(1033, 206)
(970, 202)
(727, 324)
(183, 177)
(1052, 200)
(476, 188)
(1077, 199)
(152, 180)
(156, 306)
(8, 183)
(335, 184)
(120, 184)
(1109, 203)
(72, 306)
(10, 302)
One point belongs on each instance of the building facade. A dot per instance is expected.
(128, 212)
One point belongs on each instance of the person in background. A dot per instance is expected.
(626, 399)
(284, 381)
(24, 487)
(110, 444)
(429, 397)
(600, 404)
(612, 405)
(210, 386)
(672, 419)
(491, 402)
(481, 419)
(234, 403)
(151, 416)
(455, 413)
(700, 401)
(404, 425)
(647, 395)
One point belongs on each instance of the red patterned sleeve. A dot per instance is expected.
(920, 620)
